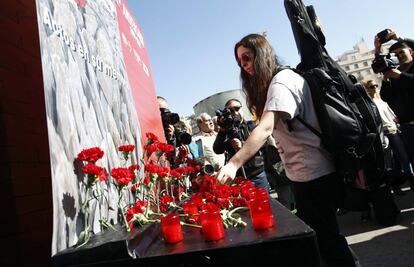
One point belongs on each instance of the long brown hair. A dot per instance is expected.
(265, 64)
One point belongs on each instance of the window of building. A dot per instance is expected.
(356, 66)
(365, 64)
(346, 68)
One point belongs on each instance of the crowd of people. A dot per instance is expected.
(295, 164)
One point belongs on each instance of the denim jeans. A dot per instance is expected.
(260, 180)
(400, 152)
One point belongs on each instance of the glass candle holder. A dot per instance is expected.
(261, 213)
(171, 228)
(258, 192)
(211, 224)
(246, 189)
(191, 208)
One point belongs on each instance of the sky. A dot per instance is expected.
(190, 42)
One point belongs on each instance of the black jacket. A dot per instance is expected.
(399, 93)
(253, 166)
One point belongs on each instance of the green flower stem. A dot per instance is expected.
(237, 221)
(166, 186)
(189, 215)
(191, 225)
(147, 208)
(85, 203)
(125, 221)
(99, 195)
(237, 209)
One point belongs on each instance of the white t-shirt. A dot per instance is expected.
(300, 149)
(207, 142)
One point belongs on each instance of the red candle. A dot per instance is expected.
(258, 192)
(171, 228)
(246, 189)
(212, 225)
(261, 213)
(191, 208)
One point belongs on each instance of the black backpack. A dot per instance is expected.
(351, 127)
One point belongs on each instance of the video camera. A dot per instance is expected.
(384, 63)
(382, 36)
(229, 121)
(206, 168)
(180, 137)
(168, 117)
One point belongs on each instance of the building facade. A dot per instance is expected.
(358, 61)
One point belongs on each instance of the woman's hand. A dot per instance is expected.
(227, 173)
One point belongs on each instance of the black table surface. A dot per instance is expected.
(290, 242)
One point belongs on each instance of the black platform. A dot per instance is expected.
(289, 243)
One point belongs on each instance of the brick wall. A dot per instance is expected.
(25, 180)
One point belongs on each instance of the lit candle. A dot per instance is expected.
(211, 224)
(261, 213)
(171, 228)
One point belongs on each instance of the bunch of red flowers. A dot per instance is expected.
(159, 189)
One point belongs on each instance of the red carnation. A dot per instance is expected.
(126, 148)
(138, 208)
(165, 201)
(92, 169)
(146, 180)
(134, 167)
(151, 138)
(151, 148)
(91, 154)
(166, 148)
(123, 176)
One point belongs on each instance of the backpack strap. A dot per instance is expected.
(312, 129)
(324, 78)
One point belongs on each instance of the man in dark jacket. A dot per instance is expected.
(234, 130)
(398, 89)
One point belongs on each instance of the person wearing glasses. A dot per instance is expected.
(396, 149)
(233, 131)
(276, 96)
(206, 140)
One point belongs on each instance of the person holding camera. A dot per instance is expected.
(166, 124)
(234, 130)
(398, 87)
(276, 96)
(175, 136)
(191, 148)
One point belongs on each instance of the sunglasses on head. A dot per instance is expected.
(236, 108)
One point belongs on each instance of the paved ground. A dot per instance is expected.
(383, 246)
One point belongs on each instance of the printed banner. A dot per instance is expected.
(99, 92)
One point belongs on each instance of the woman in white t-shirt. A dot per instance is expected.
(276, 96)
